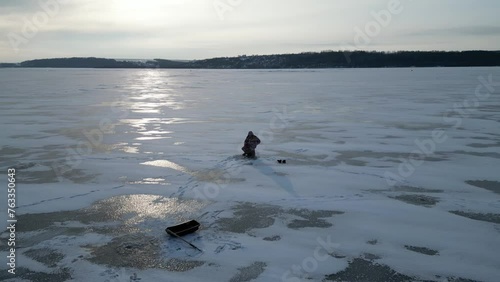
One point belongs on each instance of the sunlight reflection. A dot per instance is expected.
(142, 122)
(126, 148)
(151, 138)
(153, 132)
(153, 181)
(167, 164)
(154, 128)
(137, 208)
(152, 92)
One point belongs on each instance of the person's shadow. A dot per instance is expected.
(281, 180)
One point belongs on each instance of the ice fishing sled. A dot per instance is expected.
(184, 228)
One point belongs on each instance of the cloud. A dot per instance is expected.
(18, 5)
(480, 30)
(192, 29)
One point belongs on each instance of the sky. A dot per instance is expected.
(197, 29)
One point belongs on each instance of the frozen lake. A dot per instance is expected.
(391, 174)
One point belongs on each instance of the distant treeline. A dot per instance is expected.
(325, 59)
(339, 59)
(85, 63)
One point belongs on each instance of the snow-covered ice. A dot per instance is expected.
(391, 174)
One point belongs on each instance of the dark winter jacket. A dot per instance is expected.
(251, 141)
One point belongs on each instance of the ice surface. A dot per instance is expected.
(358, 142)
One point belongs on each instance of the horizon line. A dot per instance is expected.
(275, 54)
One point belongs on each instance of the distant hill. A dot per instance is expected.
(325, 59)
(86, 63)
(8, 65)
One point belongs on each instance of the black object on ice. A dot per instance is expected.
(250, 145)
(184, 229)
(282, 161)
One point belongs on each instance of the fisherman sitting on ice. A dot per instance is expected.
(251, 143)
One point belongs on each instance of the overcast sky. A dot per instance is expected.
(195, 29)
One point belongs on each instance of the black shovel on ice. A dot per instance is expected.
(184, 229)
